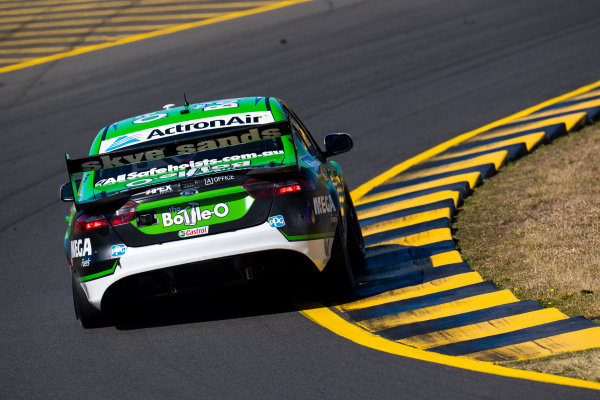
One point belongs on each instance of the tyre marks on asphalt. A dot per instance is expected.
(32, 30)
(415, 288)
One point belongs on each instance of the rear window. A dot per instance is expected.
(263, 153)
(100, 176)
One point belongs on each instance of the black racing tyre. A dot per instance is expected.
(338, 272)
(355, 242)
(88, 315)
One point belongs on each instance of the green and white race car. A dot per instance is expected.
(203, 194)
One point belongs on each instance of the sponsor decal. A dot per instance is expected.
(311, 162)
(81, 248)
(122, 142)
(181, 174)
(201, 230)
(218, 179)
(85, 262)
(117, 250)
(189, 192)
(142, 119)
(197, 125)
(180, 171)
(110, 161)
(216, 105)
(187, 169)
(323, 204)
(277, 221)
(191, 215)
(159, 190)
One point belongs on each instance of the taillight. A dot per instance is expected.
(88, 222)
(124, 214)
(294, 185)
(289, 188)
(259, 189)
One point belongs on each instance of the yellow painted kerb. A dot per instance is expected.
(330, 320)
(323, 316)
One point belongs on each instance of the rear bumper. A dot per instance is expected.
(244, 241)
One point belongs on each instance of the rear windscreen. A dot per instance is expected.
(263, 153)
(99, 176)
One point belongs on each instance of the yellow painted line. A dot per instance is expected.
(418, 239)
(323, 316)
(132, 28)
(472, 178)
(74, 10)
(403, 166)
(406, 221)
(75, 3)
(44, 3)
(28, 10)
(572, 341)
(450, 257)
(47, 32)
(89, 29)
(592, 93)
(497, 158)
(6, 29)
(409, 203)
(573, 107)
(61, 16)
(530, 141)
(34, 50)
(435, 286)
(485, 329)
(14, 60)
(162, 17)
(187, 7)
(60, 24)
(53, 40)
(113, 15)
(570, 122)
(148, 2)
(165, 31)
(473, 303)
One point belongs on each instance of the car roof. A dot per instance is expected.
(208, 115)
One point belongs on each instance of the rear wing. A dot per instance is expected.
(81, 170)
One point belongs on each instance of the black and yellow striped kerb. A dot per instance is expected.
(416, 289)
(36, 30)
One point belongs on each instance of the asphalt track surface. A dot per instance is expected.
(400, 76)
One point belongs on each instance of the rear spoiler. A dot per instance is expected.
(78, 166)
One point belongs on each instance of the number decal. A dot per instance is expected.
(142, 119)
(217, 105)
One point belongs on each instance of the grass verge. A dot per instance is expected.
(534, 229)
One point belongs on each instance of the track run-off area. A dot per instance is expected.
(402, 77)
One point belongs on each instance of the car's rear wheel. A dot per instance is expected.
(88, 315)
(338, 272)
(347, 255)
(356, 243)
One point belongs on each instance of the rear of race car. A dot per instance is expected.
(195, 212)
